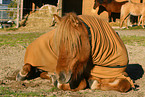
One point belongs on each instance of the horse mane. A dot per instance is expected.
(67, 33)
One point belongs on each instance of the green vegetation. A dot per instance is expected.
(18, 39)
(7, 92)
(53, 89)
(25, 39)
(134, 40)
(133, 28)
(13, 6)
(116, 24)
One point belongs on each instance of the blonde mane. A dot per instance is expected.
(67, 33)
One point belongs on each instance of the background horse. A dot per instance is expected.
(113, 15)
(111, 6)
(131, 8)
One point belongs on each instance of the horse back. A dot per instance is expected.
(107, 47)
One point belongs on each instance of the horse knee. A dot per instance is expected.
(23, 72)
(82, 85)
(94, 83)
(63, 86)
(26, 69)
(44, 75)
(121, 85)
(124, 85)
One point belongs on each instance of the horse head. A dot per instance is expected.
(100, 2)
(101, 9)
(97, 3)
(72, 40)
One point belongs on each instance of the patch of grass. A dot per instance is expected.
(133, 40)
(24, 39)
(6, 92)
(11, 29)
(114, 23)
(117, 24)
(18, 39)
(133, 28)
(53, 89)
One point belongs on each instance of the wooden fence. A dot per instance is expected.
(17, 13)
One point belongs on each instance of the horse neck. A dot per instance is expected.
(104, 5)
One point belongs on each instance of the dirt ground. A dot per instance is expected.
(11, 61)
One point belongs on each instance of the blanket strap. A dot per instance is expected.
(118, 66)
(89, 32)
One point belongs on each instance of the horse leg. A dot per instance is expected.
(82, 85)
(141, 20)
(22, 75)
(114, 19)
(110, 20)
(123, 17)
(49, 76)
(45, 75)
(121, 21)
(121, 85)
(94, 83)
(109, 15)
(127, 22)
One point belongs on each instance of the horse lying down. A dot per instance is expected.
(82, 51)
(130, 8)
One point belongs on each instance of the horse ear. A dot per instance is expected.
(100, 1)
(56, 18)
(74, 20)
(109, 1)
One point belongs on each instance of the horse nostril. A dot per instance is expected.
(62, 77)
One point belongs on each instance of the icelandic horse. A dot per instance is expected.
(83, 51)
(130, 8)
(111, 6)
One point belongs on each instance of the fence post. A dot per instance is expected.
(59, 9)
(17, 24)
(21, 9)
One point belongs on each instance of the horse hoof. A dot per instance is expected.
(93, 84)
(54, 80)
(20, 78)
(135, 89)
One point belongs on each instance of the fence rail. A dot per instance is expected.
(4, 13)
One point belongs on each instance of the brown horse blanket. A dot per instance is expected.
(40, 53)
(108, 51)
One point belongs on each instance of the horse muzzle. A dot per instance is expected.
(94, 7)
(64, 77)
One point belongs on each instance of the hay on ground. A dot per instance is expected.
(40, 19)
